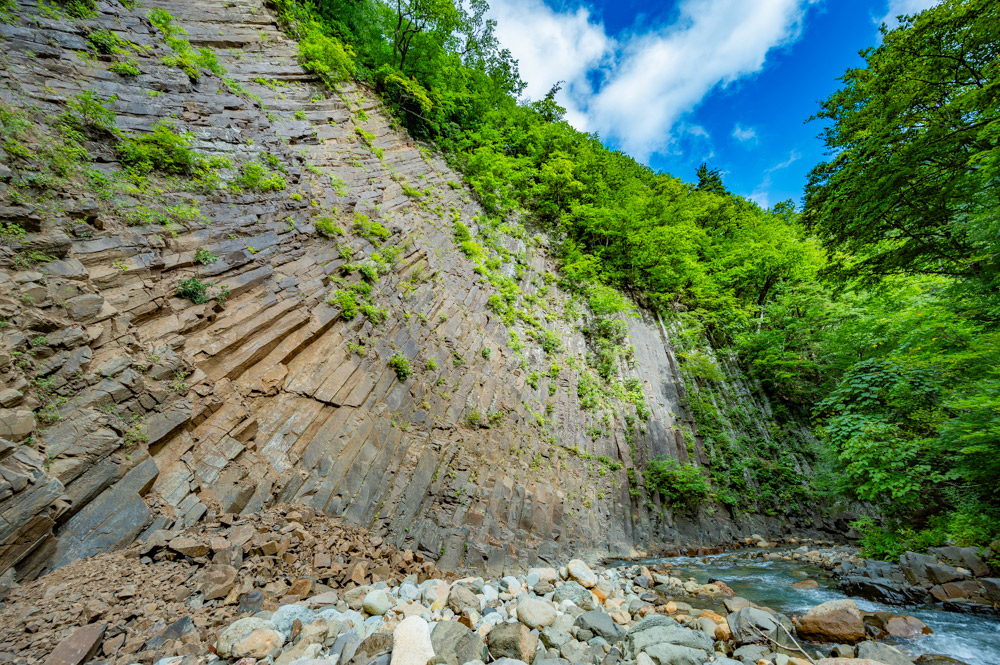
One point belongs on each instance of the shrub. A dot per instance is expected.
(107, 42)
(127, 67)
(679, 484)
(90, 111)
(347, 302)
(325, 55)
(328, 227)
(161, 150)
(461, 232)
(369, 229)
(185, 57)
(11, 232)
(194, 290)
(79, 8)
(205, 257)
(256, 177)
(401, 365)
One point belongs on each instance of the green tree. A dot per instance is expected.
(709, 180)
(912, 184)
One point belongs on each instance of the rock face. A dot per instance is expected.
(158, 408)
(838, 621)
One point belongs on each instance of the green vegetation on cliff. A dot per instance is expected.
(872, 313)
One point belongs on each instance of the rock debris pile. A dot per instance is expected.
(290, 587)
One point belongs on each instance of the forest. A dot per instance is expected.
(868, 310)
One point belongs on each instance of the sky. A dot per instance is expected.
(675, 83)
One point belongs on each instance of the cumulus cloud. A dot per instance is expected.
(744, 134)
(899, 7)
(554, 47)
(636, 88)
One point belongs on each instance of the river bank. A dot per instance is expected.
(293, 587)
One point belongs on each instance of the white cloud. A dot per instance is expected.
(761, 193)
(898, 7)
(554, 46)
(744, 134)
(635, 89)
(793, 157)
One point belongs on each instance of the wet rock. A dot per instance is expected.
(512, 640)
(906, 627)
(411, 642)
(835, 621)
(882, 653)
(937, 659)
(751, 625)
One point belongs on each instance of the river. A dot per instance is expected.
(972, 639)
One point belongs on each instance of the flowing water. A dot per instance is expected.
(972, 639)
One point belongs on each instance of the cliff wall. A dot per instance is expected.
(343, 350)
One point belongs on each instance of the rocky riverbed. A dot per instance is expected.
(290, 586)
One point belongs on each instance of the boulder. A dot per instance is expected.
(937, 659)
(215, 581)
(576, 593)
(411, 642)
(512, 640)
(942, 574)
(582, 573)
(535, 613)
(675, 654)
(882, 653)
(460, 598)
(835, 621)
(377, 602)
(455, 644)
(658, 629)
(600, 624)
(914, 567)
(235, 631)
(261, 643)
(906, 627)
(966, 557)
(79, 647)
(749, 624)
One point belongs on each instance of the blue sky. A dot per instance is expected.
(678, 82)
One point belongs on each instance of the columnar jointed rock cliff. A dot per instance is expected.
(279, 311)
